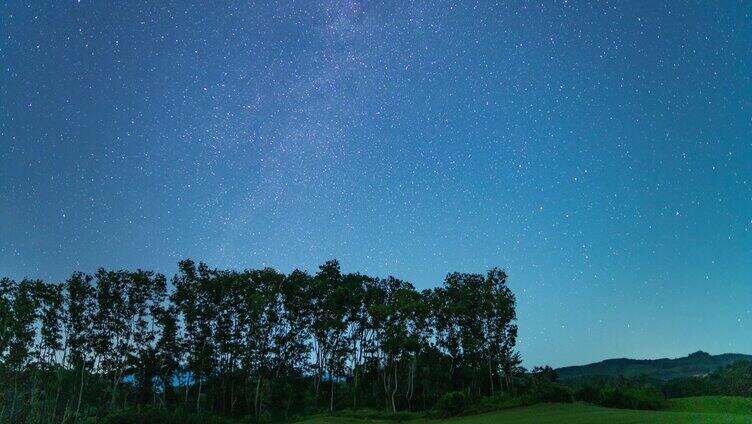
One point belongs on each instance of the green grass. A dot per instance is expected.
(571, 413)
(720, 404)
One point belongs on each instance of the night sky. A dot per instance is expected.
(599, 151)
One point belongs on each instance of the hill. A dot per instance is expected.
(695, 364)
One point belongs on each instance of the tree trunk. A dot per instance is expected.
(80, 391)
(256, 400)
(115, 383)
(198, 397)
(386, 386)
(394, 389)
(490, 377)
(355, 387)
(331, 395)
(187, 389)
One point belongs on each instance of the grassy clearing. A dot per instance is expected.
(718, 404)
(571, 413)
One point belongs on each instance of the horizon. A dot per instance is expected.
(656, 358)
(599, 153)
(526, 362)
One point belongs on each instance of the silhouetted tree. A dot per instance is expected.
(254, 343)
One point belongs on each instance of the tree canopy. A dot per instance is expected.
(255, 343)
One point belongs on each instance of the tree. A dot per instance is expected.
(7, 290)
(499, 332)
(146, 293)
(52, 319)
(263, 306)
(291, 344)
(169, 351)
(398, 333)
(79, 336)
(195, 302)
(241, 343)
(335, 302)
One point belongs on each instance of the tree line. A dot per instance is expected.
(252, 343)
(732, 380)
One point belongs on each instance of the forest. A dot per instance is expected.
(255, 344)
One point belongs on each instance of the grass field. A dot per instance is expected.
(721, 404)
(683, 411)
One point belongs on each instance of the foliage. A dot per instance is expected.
(452, 404)
(688, 386)
(631, 398)
(732, 380)
(380, 415)
(551, 392)
(500, 401)
(698, 363)
(544, 387)
(254, 344)
(136, 415)
(628, 393)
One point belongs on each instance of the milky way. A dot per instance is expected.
(600, 151)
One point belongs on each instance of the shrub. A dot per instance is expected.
(632, 398)
(373, 414)
(147, 415)
(588, 393)
(689, 386)
(452, 403)
(499, 402)
(551, 392)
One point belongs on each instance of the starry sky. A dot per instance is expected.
(599, 151)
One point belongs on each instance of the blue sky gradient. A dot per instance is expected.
(599, 151)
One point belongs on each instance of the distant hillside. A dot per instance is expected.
(698, 363)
